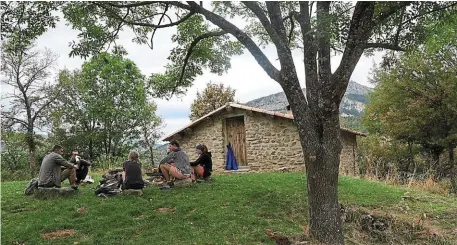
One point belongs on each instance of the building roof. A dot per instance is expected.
(247, 108)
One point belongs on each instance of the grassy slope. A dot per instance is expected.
(234, 209)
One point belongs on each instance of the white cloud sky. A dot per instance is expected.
(246, 76)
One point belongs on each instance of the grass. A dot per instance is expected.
(233, 209)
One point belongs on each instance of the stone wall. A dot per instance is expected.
(209, 133)
(271, 143)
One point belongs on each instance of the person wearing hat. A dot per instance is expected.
(203, 166)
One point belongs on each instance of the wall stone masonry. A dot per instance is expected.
(272, 143)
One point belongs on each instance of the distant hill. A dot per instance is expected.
(351, 108)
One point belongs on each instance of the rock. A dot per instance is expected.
(183, 182)
(31, 187)
(132, 192)
(366, 221)
(372, 223)
(285, 169)
(46, 193)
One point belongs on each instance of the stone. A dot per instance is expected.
(48, 193)
(183, 182)
(132, 192)
(285, 169)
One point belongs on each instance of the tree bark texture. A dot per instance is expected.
(31, 150)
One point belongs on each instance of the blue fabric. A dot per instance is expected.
(231, 160)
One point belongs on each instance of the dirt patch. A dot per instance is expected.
(58, 234)
(81, 210)
(165, 210)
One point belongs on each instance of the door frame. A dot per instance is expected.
(224, 129)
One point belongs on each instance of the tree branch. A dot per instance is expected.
(323, 40)
(259, 12)
(242, 37)
(190, 50)
(429, 12)
(160, 21)
(309, 52)
(121, 22)
(397, 35)
(290, 17)
(282, 47)
(137, 4)
(392, 9)
(17, 120)
(275, 14)
(359, 32)
(385, 46)
(116, 16)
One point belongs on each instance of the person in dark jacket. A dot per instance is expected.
(83, 169)
(131, 176)
(203, 166)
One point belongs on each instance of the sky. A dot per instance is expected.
(246, 76)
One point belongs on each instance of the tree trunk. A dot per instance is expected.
(434, 168)
(322, 179)
(91, 149)
(151, 150)
(319, 133)
(452, 169)
(31, 151)
(410, 157)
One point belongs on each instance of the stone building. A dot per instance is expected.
(261, 140)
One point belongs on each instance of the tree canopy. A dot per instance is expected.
(212, 97)
(104, 104)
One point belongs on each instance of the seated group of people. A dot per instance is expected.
(55, 169)
(176, 165)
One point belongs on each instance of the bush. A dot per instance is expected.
(104, 162)
(15, 158)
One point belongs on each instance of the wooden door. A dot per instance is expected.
(236, 135)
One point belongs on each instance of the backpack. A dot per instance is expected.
(109, 184)
(31, 186)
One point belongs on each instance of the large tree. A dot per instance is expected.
(105, 104)
(416, 100)
(26, 73)
(26, 70)
(212, 97)
(317, 28)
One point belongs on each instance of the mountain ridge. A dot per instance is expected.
(351, 107)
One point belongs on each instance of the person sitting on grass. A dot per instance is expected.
(175, 164)
(83, 165)
(131, 176)
(51, 174)
(203, 166)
